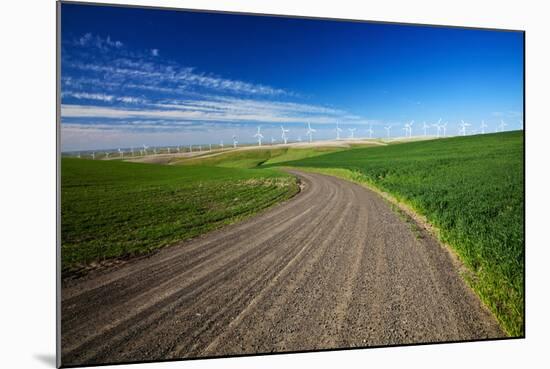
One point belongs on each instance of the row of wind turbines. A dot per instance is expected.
(441, 131)
(441, 128)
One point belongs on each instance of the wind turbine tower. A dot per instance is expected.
(235, 142)
(463, 127)
(408, 128)
(121, 153)
(338, 130)
(310, 132)
(283, 134)
(388, 131)
(351, 133)
(259, 136)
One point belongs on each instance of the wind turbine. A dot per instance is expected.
(145, 148)
(444, 126)
(425, 126)
(351, 132)
(200, 148)
(310, 132)
(388, 131)
(132, 151)
(338, 130)
(168, 150)
(283, 134)
(121, 153)
(259, 136)
(438, 126)
(438, 130)
(221, 144)
(93, 155)
(463, 127)
(370, 131)
(483, 126)
(502, 125)
(209, 147)
(106, 155)
(190, 148)
(408, 128)
(235, 142)
(78, 155)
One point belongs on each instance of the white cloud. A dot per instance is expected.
(155, 52)
(177, 78)
(102, 97)
(89, 96)
(230, 110)
(130, 100)
(97, 41)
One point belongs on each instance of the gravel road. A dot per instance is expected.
(333, 267)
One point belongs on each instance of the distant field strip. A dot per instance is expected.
(254, 158)
(112, 209)
(471, 189)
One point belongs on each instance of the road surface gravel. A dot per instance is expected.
(334, 267)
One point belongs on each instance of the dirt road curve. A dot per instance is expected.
(333, 267)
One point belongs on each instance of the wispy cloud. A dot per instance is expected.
(175, 78)
(102, 97)
(90, 40)
(146, 68)
(218, 111)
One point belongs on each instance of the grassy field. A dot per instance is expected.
(112, 209)
(471, 189)
(255, 158)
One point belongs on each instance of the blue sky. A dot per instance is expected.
(145, 76)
